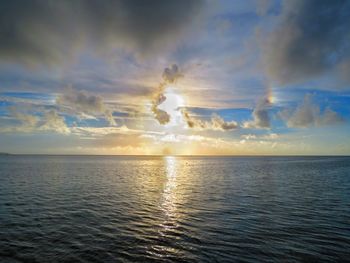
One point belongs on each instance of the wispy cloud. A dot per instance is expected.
(82, 102)
(30, 122)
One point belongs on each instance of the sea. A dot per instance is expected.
(174, 209)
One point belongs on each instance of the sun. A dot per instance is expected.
(172, 105)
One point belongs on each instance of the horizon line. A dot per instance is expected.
(182, 155)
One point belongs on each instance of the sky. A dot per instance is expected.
(185, 77)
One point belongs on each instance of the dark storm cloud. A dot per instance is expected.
(311, 39)
(33, 31)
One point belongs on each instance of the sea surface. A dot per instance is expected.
(174, 209)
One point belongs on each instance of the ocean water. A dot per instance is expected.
(174, 209)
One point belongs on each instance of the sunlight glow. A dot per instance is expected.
(171, 106)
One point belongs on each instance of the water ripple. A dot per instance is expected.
(174, 209)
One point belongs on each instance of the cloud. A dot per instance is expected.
(35, 32)
(263, 137)
(261, 118)
(162, 116)
(218, 123)
(84, 103)
(193, 122)
(29, 122)
(170, 75)
(308, 114)
(263, 6)
(111, 137)
(248, 136)
(343, 71)
(53, 122)
(215, 123)
(94, 132)
(119, 140)
(311, 39)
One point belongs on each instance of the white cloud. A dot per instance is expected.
(53, 122)
(261, 118)
(309, 114)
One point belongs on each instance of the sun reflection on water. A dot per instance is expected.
(171, 206)
(169, 193)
